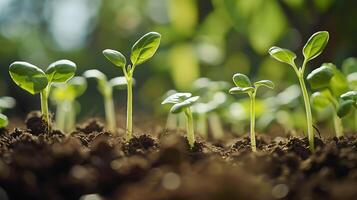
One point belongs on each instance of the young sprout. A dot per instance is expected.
(348, 103)
(34, 80)
(64, 95)
(244, 85)
(329, 82)
(5, 103)
(142, 50)
(105, 87)
(182, 103)
(313, 48)
(212, 99)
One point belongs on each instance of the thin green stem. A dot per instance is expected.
(60, 116)
(202, 124)
(44, 106)
(310, 129)
(129, 110)
(71, 116)
(189, 126)
(337, 122)
(110, 112)
(252, 122)
(216, 125)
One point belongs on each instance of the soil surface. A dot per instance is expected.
(91, 163)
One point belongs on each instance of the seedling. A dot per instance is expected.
(64, 95)
(212, 99)
(313, 48)
(5, 103)
(328, 82)
(182, 103)
(142, 50)
(244, 85)
(105, 87)
(34, 80)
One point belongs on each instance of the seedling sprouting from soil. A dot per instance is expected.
(105, 87)
(182, 103)
(5, 103)
(212, 98)
(348, 103)
(34, 80)
(329, 82)
(244, 85)
(142, 50)
(64, 95)
(313, 48)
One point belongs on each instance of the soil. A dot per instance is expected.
(91, 163)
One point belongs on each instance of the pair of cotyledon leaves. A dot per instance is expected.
(142, 50)
(74, 88)
(34, 80)
(244, 85)
(313, 48)
(181, 101)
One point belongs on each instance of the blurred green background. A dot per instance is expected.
(200, 38)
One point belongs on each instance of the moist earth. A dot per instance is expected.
(90, 162)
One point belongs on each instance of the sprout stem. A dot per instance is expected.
(252, 122)
(216, 126)
(44, 106)
(202, 124)
(190, 131)
(337, 122)
(310, 130)
(60, 116)
(129, 111)
(110, 112)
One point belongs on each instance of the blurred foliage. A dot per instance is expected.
(200, 38)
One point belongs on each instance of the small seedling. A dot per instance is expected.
(105, 87)
(5, 103)
(142, 50)
(182, 103)
(313, 48)
(348, 103)
(211, 100)
(244, 85)
(64, 95)
(34, 80)
(328, 81)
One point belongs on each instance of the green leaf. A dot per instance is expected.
(339, 82)
(320, 77)
(7, 102)
(61, 71)
(315, 45)
(319, 100)
(3, 121)
(176, 98)
(145, 48)
(345, 108)
(119, 83)
(350, 95)
(240, 90)
(28, 77)
(77, 85)
(283, 55)
(94, 73)
(117, 58)
(179, 107)
(241, 80)
(267, 83)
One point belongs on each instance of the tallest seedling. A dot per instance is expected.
(142, 50)
(313, 48)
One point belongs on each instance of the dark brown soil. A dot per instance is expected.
(39, 165)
